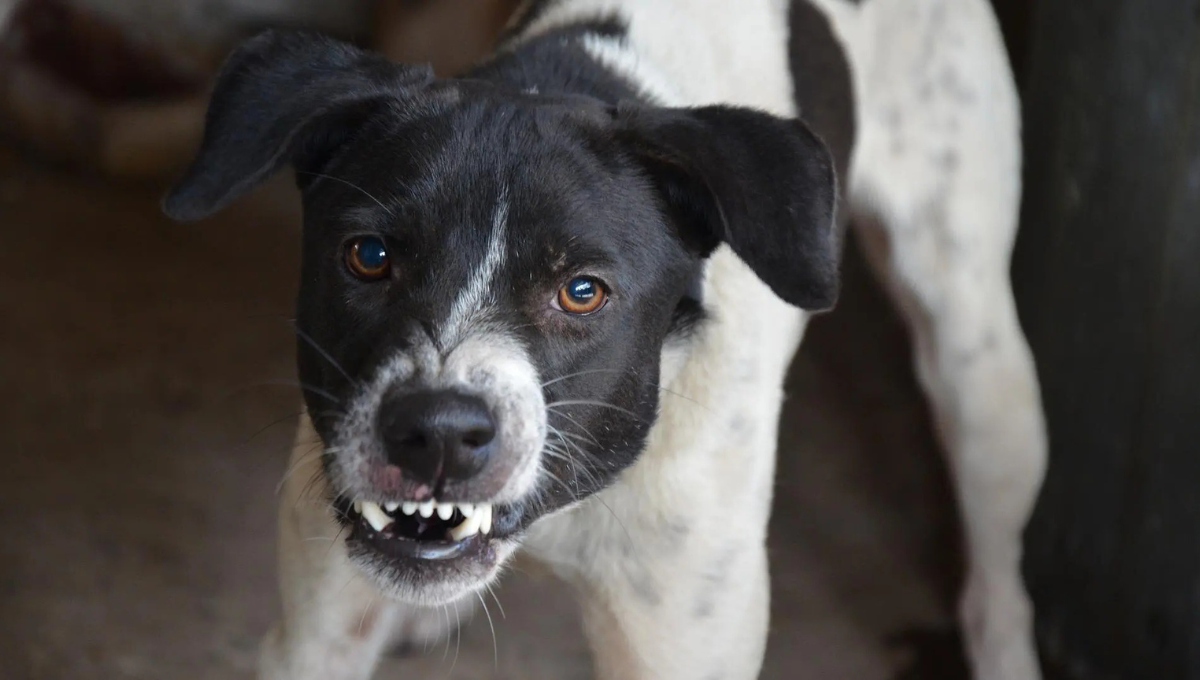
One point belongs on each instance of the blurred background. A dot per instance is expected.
(148, 392)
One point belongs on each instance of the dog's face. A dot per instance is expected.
(492, 301)
(489, 279)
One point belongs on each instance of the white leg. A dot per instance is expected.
(978, 375)
(660, 599)
(936, 185)
(335, 624)
(674, 634)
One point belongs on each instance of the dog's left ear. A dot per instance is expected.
(285, 97)
(763, 184)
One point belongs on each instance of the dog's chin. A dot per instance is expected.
(428, 571)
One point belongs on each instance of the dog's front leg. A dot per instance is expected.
(665, 623)
(335, 623)
(671, 588)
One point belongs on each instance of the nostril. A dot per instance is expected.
(479, 437)
(416, 440)
(437, 434)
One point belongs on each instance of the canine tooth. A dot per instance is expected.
(358, 507)
(426, 509)
(485, 521)
(408, 507)
(468, 527)
(375, 516)
(391, 506)
(445, 510)
(467, 509)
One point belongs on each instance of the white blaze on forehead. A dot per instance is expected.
(478, 292)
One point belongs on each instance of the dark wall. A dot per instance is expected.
(1107, 273)
(1016, 20)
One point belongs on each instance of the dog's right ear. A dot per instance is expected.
(283, 97)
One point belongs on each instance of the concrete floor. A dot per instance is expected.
(146, 414)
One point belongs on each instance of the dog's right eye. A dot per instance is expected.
(367, 258)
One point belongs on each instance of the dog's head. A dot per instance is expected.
(489, 278)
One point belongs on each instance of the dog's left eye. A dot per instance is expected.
(581, 295)
(367, 258)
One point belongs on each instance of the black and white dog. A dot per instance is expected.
(548, 308)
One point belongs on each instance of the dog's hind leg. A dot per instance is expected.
(935, 189)
(336, 625)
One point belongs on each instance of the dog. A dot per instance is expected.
(547, 307)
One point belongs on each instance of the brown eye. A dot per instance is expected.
(367, 258)
(582, 295)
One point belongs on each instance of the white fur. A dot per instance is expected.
(471, 301)
(667, 595)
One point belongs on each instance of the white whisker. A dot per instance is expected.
(321, 350)
(497, 599)
(352, 185)
(495, 645)
(586, 402)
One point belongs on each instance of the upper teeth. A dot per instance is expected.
(477, 517)
(375, 516)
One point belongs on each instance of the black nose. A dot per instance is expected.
(437, 435)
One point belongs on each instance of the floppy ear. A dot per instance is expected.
(283, 97)
(764, 185)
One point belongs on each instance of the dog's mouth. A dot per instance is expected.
(430, 531)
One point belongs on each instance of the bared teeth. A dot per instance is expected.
(485, 524)
(479, 521)
(468, 527)
(375, 516)
(477, 517)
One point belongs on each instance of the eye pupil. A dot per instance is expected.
(582, 295)
(372, 253)
(582, 289)
(367, 258)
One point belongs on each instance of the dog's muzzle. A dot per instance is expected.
(434, 461)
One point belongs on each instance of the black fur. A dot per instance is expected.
(761, 184)
(283, 98)
(822, 82)
(596, 181)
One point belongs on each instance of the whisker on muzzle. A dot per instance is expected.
(316, 452)
(588, 402)
(660, 388)
(321, 350)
